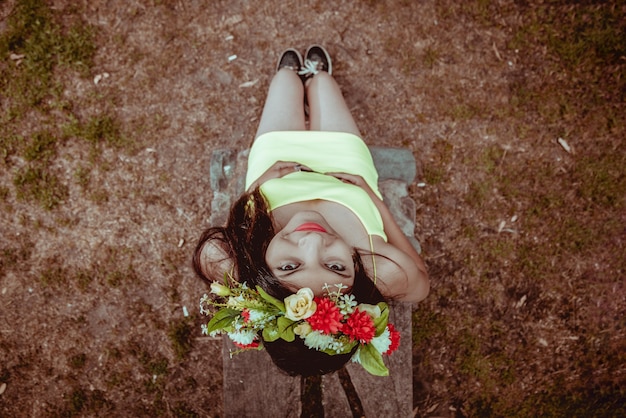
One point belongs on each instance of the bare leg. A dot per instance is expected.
(328, 110)
(284, 106)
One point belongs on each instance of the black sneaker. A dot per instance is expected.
(290, 59)
(316, 59)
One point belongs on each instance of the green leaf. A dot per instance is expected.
(222, 320)
(271, 299)
(270, 334)
(285, 328)
(381, 322)
(372, 360)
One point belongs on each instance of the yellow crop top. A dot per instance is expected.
(322, 152)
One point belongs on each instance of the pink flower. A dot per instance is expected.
(360, 327)
(327, 317)
(395, 339)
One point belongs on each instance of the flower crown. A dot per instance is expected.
(333, 324)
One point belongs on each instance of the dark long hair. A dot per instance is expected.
(245, 239)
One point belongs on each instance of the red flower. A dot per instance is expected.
(253, 344)
(327, 317)
(245, 314)
(395, 339)
(360, 327)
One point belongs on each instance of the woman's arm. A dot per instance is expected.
(417, 284)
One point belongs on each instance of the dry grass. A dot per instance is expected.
(104, 188)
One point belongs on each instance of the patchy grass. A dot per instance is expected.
(430, 58)
(42, 147)
(40, 45)
(442, 153)
(566, 227)
(601, 178)
(37, 181)
(53, 276)
(116, 277)
(78, 361)
(427, 325)
(180, 335)
(181, 410)
(98, 131)
(593, 34)
(541, 291)
(81, 402)
(14, 256)
(8, 144)
(40, 186)
(82, 175)
(582, 77)
(477, 196)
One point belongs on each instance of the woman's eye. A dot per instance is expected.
(288, 267)
(336, 267)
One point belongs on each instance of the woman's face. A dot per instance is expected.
(307, 252)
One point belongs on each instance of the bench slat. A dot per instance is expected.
(253, 386)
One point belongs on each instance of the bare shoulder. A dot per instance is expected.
(399, 276)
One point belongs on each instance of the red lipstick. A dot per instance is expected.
(310, 226)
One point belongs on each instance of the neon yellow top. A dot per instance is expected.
(323, 152)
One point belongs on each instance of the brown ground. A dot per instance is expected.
(525, 241)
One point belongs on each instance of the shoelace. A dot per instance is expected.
(309, 68)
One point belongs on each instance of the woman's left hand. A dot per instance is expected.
(356, 180)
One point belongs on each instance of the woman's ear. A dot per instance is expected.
(215, 261)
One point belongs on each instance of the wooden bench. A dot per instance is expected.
(253, 386)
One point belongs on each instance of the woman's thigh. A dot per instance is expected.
(328, 110)
(284, 105)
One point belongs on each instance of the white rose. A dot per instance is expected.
(300, 305)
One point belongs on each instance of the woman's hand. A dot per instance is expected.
(278, 170)
(356, 180)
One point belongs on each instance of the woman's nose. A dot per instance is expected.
(312, 242)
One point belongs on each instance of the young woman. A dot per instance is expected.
(312, 214)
